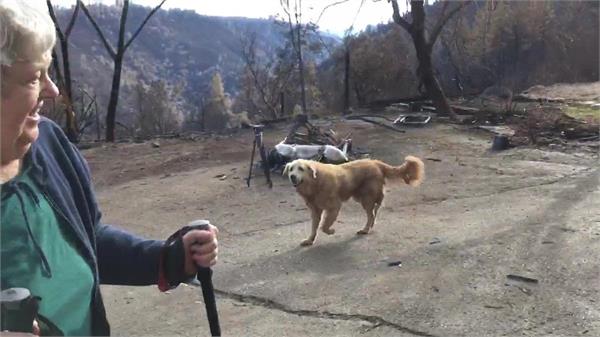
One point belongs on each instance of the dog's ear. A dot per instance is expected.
(286, 169)
(313, 167)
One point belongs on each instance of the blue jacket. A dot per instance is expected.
(115, 256)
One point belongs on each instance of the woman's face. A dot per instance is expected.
(24, 87)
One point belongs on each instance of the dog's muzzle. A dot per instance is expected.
(294, 180)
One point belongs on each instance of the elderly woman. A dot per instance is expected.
(52, 240)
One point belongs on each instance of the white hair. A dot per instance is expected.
(27, 32)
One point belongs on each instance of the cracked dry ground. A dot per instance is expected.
(478, 217)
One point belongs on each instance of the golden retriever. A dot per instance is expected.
(324, 187)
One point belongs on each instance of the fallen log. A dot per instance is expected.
(366, 119)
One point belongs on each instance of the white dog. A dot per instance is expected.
(295, 151)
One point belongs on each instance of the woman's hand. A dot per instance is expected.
(36, 332)
(201, 248)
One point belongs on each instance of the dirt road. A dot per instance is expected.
(435, 265)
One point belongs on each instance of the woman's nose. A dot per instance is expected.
(49, 90)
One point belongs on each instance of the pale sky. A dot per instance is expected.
(336, 19)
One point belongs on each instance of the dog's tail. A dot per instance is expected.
(412, 171)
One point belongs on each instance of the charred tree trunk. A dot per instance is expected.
(427, 77)
(346, 80)
(57, 73)
(359, 96)
(117, 57)
(458, 76)
(71, 122)
(424, 46)
(301, 67)
(296, 40)
(64, 78)
(111, 113)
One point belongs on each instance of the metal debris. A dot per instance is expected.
(521, 278)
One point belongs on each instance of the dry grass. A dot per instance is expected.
(565, 91)
(584, 113)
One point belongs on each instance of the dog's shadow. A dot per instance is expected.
(322, 257)
(328, 256)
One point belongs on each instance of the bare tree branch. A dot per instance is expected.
(108, 47)
(53, 17)
(249, 54)
(117, 57)
(87, 115)
(64, 79)
(72, 21)
(362, 2)
(298, 11)
(143, 24)
(268, 87)
(398, 18)
(122, 22)
(285, 4)
(330, 5)
(443, 19)
(58, 75)
(444, 7)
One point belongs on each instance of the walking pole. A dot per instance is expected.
(208, 292)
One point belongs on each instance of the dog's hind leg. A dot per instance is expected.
(315, 214)
(330, 216)
(370, 209)
(376, 207)
(371, 206)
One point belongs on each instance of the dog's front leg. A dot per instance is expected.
(315, 215)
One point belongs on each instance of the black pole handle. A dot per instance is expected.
(208, 291)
